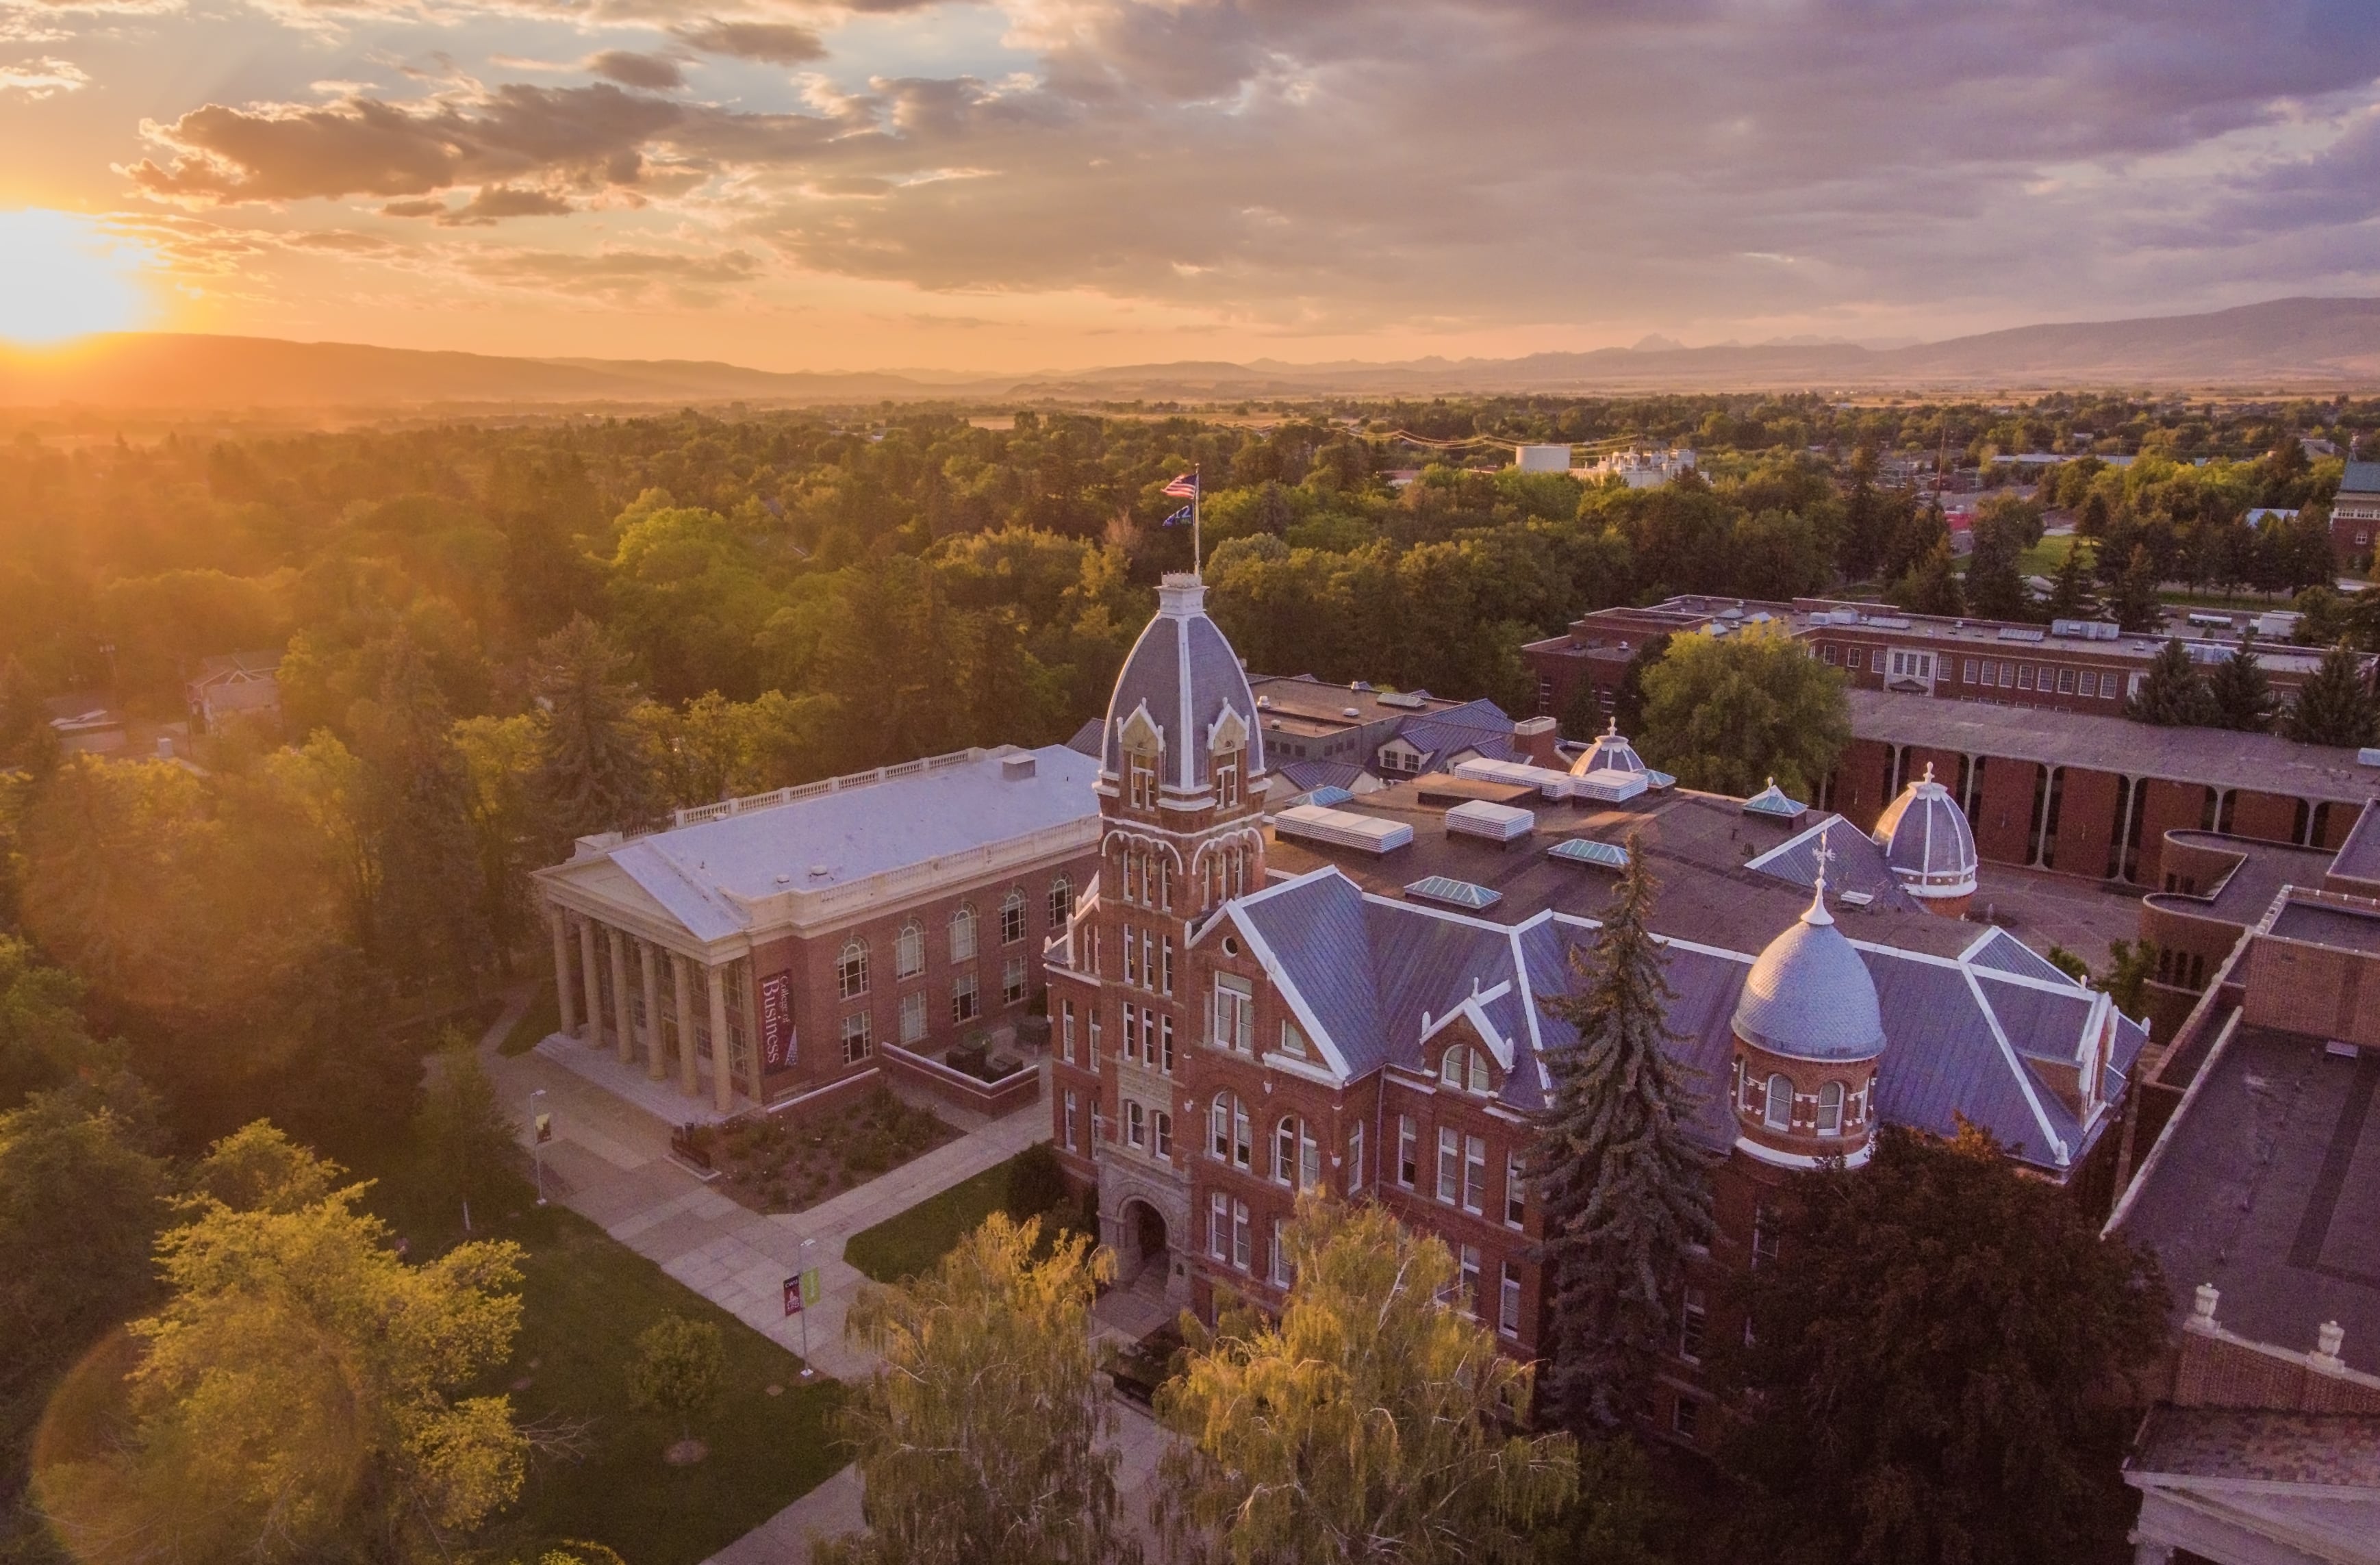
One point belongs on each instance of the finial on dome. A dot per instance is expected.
(1612, 729)
(1929, 772)
(1825, 855)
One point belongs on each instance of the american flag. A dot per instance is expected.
(1185, 487)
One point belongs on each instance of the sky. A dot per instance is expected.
(1016, 185)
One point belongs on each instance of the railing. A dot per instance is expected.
(750, 802)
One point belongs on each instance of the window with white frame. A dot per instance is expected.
(1135, 1125)
(1165, 980)
(855, 1044)
(1355, 1156)
(1508, 1302)
(1072, 1145)
(1066, 1031)
(1163, 1123)
(1292, 1042)
(1467, 1282)
(963, 934)
(1280, 1274)
(1408, 1151)
(1219, 1226)
(1831, 1109)
(1140, 778)
(1131, 955)
(1240, 1239)
(913, 1016)
(964, 1004)
(1693, 1319)
(909, 950)
(851, 970)
(1012, 980)
(1776, 1112)
(1235, 1013)
(1475, 1173)
(1227, 779)
(1165, 1044)
(1516, 1190)
(1062, 902)
(1450, 1164)
(1091, 1031)
(1012, 917)
(1132, 1034)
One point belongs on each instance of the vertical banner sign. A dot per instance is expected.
(794, 1296)
(810, 1286)
(544, 1129)
(777, 1021)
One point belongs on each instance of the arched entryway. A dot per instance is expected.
(1144, 1244)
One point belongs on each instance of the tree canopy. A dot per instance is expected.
(1725, 713)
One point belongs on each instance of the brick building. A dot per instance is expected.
(770, 947)
(2069, 665)
(2355, 513)
(2257, 1197)
(1349, 1000)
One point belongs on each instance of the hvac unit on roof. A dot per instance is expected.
(1497, 823)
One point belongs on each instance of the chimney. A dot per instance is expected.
(2202, 1307)
(1536, 737)
(2330, 1337)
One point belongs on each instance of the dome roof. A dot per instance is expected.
(1185, 676)
(1610, 752)
(1927, 841)
(1809, 995)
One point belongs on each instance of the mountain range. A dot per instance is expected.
(2294, 343)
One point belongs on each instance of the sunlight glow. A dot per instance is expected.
(64, 275)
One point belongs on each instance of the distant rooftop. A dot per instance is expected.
(1302, 704)
(2317, 923)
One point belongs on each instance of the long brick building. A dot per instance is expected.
(1350, 998)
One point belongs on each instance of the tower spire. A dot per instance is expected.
(1826, 855)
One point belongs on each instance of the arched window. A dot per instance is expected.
(1140, 778)
(1296, 1156)
(851, 970)
(1136, 1124)
(1062, 901)
(963, 934)
(1450, 1068)
(1478, 1072)
(1227, 1132)
(909, 950)
(1465, 1070)
(1227, 777)
(1780, 1115)
(1011, 919)
(1831, 1109)
(1243, 1144)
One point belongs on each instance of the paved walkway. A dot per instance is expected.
(608, 1161)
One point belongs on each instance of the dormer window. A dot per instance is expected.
(1227, 780)
(1464, 1070)
(1140, 778)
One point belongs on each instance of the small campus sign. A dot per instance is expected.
(777, 1021)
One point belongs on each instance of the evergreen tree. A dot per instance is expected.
(1621, 1184)
(2335, 706)
(594, 770)
(27, 739)
(2240, 694)
(429, 925)
(1994, 588)
(2070, 597)
(1931, 587)
(2136, 603)
(1866, 518)
(1627, 701)
(2173, 696)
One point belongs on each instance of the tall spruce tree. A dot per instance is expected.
(2136, 600)
(429, 925)
(2240, 694)
(594, 766)
(2172, 696)
(2335, 706)
(1622, 1185)
(2070, 597)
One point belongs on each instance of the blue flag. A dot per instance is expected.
(1176, 519)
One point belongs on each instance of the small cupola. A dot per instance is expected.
(1929, 846)
(1610, 752)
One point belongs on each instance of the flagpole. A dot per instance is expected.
(1197, 493)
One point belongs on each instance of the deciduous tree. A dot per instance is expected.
(1373, 1422)
(680, 1368)
(1943, 1362)
(1621, 1183)
(978, 1440)
(1724, 712)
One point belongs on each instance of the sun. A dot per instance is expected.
(64, 275)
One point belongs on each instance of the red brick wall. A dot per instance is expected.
(2090, 808)
(2165, 807)
(2268, 818)
(1858, 791)
(2003, 818)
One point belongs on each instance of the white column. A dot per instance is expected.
(722, 1074)
(682, 985)
(588, 982)
(563, 998)
(626, 1044)
(655, 1066)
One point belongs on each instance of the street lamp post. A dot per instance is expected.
(541, 1132)
(804, 1263)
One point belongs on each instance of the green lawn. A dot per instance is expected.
(2044, 558)
(543, 1016)
(586, 1299)
(903, 1246)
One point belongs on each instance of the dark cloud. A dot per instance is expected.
(618, 277)
(654, 72)
(776, 44)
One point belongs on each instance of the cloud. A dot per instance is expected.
(42, 77)
(776, 44)
(617, 277)
(653, 72)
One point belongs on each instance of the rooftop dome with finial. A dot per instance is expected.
(1809, 995)
(1610, 752)
(1184, 675)
(1927, 841)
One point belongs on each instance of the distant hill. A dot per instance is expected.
(2299, 343)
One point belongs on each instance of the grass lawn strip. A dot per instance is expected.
(1026, 1186)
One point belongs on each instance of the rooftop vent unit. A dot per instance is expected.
(1399, 699)
(1264, 700)
(1856, 899)
(1017, 768)
(1452, 892)
(1342, 829)
(1360, 685)
(1350, 711)
(1889, 621)
(2019, 633)
(1497, 823)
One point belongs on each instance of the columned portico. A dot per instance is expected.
(565, 997)
(682, 987)
(590, 982)
(722, 1073)
(623, 1019)
(656, 1067)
